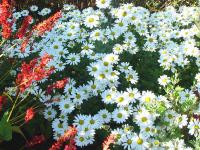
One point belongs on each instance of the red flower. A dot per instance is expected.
(30, 113)
(24, 44)
(5, 14)
(36, 70)
(47, 24)
(57, 85)
(109, 140)
(38, 139)
(2, 101)
(69, 135)
(23, 29)
(41, 28)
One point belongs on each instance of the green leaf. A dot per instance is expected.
(5, 129)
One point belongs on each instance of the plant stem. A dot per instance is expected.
(13, 107)
(17, 117)
(5, 75)
(23, 99)
(17, 121)
(9, 97)
(2, 42)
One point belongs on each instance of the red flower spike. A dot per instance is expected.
(24, 27)
(34, 71)
(57, 85)
(41, 28)
(5, 14)
(30, 113)
(47, 24)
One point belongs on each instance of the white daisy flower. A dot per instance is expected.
(118, 49)
(66, 106)
(73, 59)
(163, 80)
(128, 142)
(104, 115)
(59, 126)
(147, 97)
(181, 120)
(92, 21)
(132, 76)
(80, 120)
(50, 113)
(144, 119)
(119, 115)
(81, 140)
(108, 96)
(140, 142)
(93, 121)
(34, 8)
(24, 13)
(121, 99)
(103, 3)
(194, 127)
(133, 94)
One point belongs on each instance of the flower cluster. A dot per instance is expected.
(96, 49)
(5, 13)
(34, 71)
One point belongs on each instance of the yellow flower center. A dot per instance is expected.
(196, 127)
(81, 122)
(66, 106)
(147, 129)
(156, 142)
(97, 34)
(108, 97)
(119, 115)
(147, 99)
(104, 116)
(92, 121)
(93, 86)
(81, 139)
(94, 69)
(55, 46)
(60, 125)
(121, 99)
(78, 96)
(129, 141)
(105, 63)
(170, 116)
(91, 20)
(102, 76)
(150, 39)
(131, 95)
(144, 119)
(140, 141)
